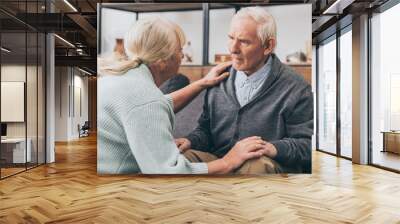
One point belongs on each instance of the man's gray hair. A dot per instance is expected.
(266, 26)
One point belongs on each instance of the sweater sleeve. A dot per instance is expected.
(295, 148)
(200, 137)
(148, 130)
(169, 99)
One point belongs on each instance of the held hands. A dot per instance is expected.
(243, 150)
(248, 148)
(183, 144)
(270, 150)
(215, 75)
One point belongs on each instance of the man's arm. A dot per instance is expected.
(296, 147)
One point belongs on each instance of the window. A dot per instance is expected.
(220, 21)
(327, 96)
(385, 89)
(346, 94)
(22, 78)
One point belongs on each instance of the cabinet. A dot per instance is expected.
(391, 142)
(13, 150)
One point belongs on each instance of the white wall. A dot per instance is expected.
(114, 24)
(79, 117)
(15, 72)
(220, 20)
(294, 28)
(33, 126)
(62, 82)
(68, 83)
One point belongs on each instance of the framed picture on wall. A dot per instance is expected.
(12, 101)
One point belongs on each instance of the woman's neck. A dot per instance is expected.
(158, 76)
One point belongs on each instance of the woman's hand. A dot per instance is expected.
(182, 97)
(216, 75)
(248, 148)
(183, 144)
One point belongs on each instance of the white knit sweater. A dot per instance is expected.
(135, 122)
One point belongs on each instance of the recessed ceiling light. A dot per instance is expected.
(337, 7)
(64, 40)
(84, 71)
(70, 5)
(5, 50)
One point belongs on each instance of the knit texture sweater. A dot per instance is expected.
(135, 123)
(281, 112)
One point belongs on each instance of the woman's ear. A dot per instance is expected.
(161, 64)
(269, 46)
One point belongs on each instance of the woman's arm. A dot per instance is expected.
(182, 97)
(148, 132)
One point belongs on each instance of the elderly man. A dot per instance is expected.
(262, 97)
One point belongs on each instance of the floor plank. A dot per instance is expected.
(70, 191)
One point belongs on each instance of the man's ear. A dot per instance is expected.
(269, 46)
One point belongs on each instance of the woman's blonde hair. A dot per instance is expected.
(148, 41)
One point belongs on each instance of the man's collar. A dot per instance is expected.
(257, 76)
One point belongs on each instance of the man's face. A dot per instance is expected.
(247, 51)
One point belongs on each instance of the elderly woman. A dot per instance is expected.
(135, 120)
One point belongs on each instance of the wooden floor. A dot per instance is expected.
(10, 171)
(70, 191)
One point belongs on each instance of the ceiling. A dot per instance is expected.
(77, 22)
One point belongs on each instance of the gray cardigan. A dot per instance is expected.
(281, 113)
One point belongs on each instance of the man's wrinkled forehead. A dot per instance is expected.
(243, 26)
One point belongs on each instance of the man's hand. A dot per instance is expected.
(183, 144)
(245, 149)
(269, 150)
(216, 75)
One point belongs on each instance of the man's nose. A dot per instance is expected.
(234, 47)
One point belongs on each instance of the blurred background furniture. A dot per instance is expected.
(13, 150)
(391, 141)
(84, 130)
(177, 82)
